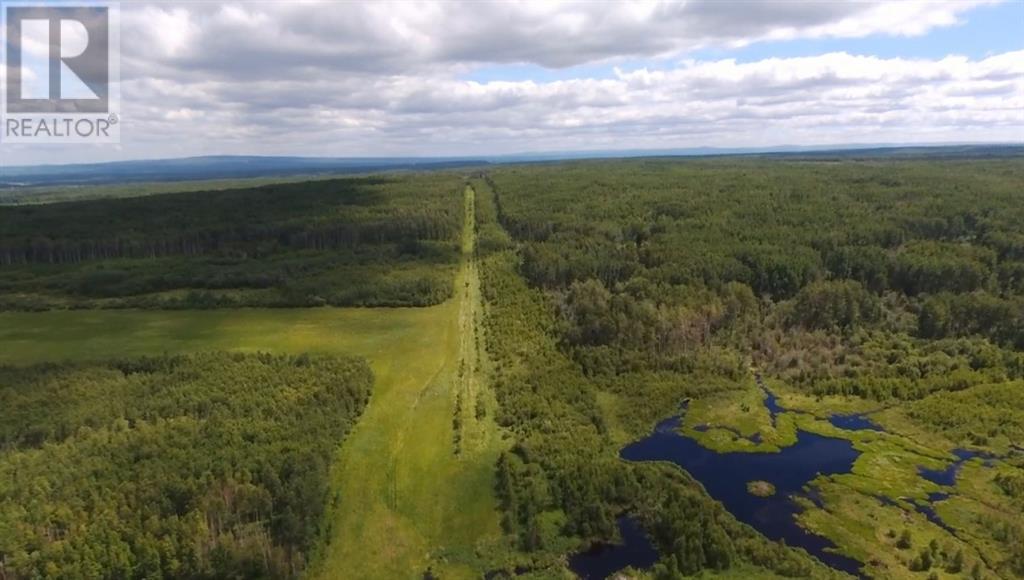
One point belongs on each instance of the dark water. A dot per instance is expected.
(725, 476)
(772, 404)
(947, 476)
(928, 510)
(854, 423)
(602, 560)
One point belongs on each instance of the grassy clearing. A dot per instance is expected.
(404, 500)
(888, 464)
(978, 523)
(611, 406)
(982, 513)
(380, 335)
(407, 500)
(895, 420)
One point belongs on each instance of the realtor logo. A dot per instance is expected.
(61, 72)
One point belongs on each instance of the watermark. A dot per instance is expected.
(61, 72)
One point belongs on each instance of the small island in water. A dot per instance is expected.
(761, 488)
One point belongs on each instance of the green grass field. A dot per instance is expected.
(404, 500)
(379, 334)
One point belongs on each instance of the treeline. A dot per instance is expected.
(649, 263)
(346, 242)
(41, 249)
(771, 225)
(947, 314)
(561, 483)
(315, 215)
(648, 326)
(911, 227)
(200, 466)
(985, 415)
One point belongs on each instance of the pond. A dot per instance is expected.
(947, 476)
(601, 560)
(725, 477)
(854, 423)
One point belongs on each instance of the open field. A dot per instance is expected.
(379, 334)
(400, 488)
(407, 501)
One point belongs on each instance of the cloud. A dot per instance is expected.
(294, 39)
(823, 99)
(310, 78)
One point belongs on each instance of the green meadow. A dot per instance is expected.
(411, 485)
(378, 334)
(414, 478)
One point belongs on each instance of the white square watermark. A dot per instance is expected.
(62, 72)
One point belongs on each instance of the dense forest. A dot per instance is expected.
(371, 241)
(895, 283)
(651, 261)
(559, 481)
(198, 466)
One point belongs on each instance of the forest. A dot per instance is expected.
(280, 245)
(559, 482)
(211, 465)
(649, 261)
(891, 287)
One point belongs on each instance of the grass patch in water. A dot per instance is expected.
(888, 464)
(760, 488)
(738, 421)
(890, 539)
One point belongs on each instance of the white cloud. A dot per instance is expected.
(242, 39)
(385, 78)
(825, 99)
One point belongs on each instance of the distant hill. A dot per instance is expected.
(845, 151)
(213, 167)
(236, 167)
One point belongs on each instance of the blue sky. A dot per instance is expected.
(984, 31)
(449, 77)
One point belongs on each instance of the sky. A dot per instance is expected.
(452, 78)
